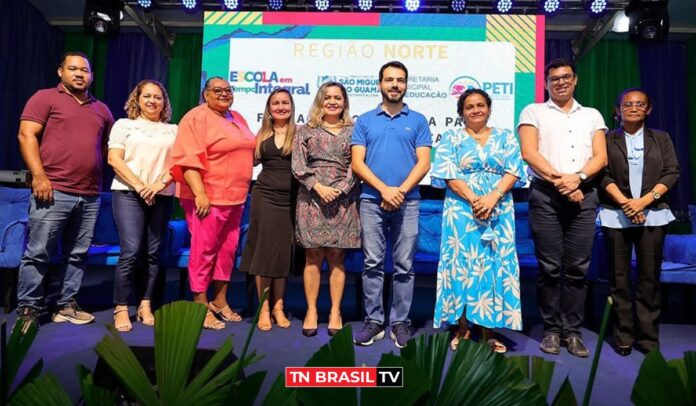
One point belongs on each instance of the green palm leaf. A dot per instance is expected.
(658, 383)
(177, 332)
(14, 351)
(686, 368)
(116, 353)
(415, 379)
(42, 391)
(565, 395)
(92, 394)
(338, 352)
(280, 395)
(429, 352)
(222, 382)
(206, 372)
(535, 369)
(477, 376)
(244, 393)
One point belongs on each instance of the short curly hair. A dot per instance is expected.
(466, 94)
(132, 107)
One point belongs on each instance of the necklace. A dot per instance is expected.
(478, 136)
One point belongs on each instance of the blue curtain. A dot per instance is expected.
(558, 48)
(132, 57)
(663, 70)
(30, 51)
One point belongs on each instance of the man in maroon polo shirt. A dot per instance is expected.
(61, 136)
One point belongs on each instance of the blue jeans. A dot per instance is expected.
(140, 229)
(401, 227)
(70, 218)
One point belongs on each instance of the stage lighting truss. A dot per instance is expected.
(322, 5)
(189, 4)
(230, 4)
(550, 6)
(458, 6)
(502, 6)
(412, 5)
(276, 5)
(596, 7)
(365, 5)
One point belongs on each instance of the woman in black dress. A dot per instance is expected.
(269, 250)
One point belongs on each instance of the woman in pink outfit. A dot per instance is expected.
(212, 164)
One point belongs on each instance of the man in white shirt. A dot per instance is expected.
(563, 144)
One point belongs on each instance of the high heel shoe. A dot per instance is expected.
(311, 332)
(264, 323)
(147, 321)
(334, 331)
(281, 321)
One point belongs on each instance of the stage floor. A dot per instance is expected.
(63, 346)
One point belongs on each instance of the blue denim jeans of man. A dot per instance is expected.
(70, 218)
(401, 228)
(141, 229)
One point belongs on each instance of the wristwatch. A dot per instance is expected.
(581, 175)
(655, 195)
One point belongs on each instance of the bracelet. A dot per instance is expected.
(500, 192)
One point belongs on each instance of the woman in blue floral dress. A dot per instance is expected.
(478, 273)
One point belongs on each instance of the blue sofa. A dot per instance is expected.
(679, 265)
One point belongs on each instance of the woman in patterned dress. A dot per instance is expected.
(478, 273)
(327, 213)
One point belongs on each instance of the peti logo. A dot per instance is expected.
(344, 377)
(497, 90)
(462, 84)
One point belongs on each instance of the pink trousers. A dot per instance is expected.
(214, 240)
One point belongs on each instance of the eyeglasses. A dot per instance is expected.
(220, 90)
(640, 105)
(566, 78)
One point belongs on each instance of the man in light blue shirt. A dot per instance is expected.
(391, 154)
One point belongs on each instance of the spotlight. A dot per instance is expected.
(502, 6)
(231, 4)
(322, 5)
(621, 22)
(276, 5)
(189, 4)
(145, 3)
(596, 7)
(412, 5)
(364, 5)
(458, 6)
(102, 17)
(648, 20)
(549, 6)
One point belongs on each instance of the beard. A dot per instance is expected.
(74, 90)
(392, 99)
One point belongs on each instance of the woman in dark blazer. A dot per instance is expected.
(634, 213)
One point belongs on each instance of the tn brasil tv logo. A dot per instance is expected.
(497, 90)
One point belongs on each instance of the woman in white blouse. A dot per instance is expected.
(139, 152)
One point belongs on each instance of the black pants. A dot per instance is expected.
(563, 234)
(648, 243)
(141, 229)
